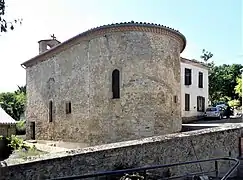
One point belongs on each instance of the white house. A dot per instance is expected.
(194, 89)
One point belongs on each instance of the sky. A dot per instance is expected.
(214, 25)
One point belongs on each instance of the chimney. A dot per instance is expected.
(47, 44)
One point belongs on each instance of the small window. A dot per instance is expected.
(175, 99)
(187, 102)
(50, 111)
(116, 84)
(68, 108)
(200, 104)
(188, 76)
(200, 80)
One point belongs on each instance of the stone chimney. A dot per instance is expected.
(47, 44)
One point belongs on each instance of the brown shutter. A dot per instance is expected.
(187, 102)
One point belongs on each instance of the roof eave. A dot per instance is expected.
(132, 23)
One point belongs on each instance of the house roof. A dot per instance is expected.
(5, 118)
(194, 63)
(125, 26)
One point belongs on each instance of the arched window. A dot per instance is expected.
(116, 84)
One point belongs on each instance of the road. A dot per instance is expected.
(216, 121)
(202, 124)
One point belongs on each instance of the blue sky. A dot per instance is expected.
(215, 25)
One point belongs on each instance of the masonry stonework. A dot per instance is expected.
(203, 144)
(80, 71)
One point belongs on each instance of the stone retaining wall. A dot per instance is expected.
(195, 145)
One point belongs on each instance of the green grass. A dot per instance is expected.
(30, 153)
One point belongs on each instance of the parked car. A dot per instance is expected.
(214, 112)
(223, 108)
(221, 103)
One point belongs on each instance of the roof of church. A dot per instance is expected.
(5, 118)
(132, 26)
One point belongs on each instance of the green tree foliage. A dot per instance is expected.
(5, 25)
(206, 55)
(14, 102)
(21, 127)
(223, 82)
(238, 87)
(234, 103)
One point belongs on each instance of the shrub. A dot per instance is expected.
(9, 144)
(234, 103)
(21, 127)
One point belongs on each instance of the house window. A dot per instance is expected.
(50, 111)
(200, 80)
(187, 102)
(188, 76)
(116, 84)
(200, 104)
(68, 108)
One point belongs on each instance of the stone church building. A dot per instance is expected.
(111, 83)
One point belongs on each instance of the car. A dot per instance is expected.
(214, 112)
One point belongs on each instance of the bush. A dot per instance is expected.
(234, 103)
(21, 127)
(9, 144)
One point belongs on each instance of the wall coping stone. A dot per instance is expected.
(102, 30)
(124, 144)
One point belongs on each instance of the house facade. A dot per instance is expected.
(194, 89)
(112, 83)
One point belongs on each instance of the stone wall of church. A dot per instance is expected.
(149, 78)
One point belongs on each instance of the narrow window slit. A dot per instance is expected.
(116, 84)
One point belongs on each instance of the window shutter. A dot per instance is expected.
(198, 103)
(188, 76)
(187, 102)
(200, 80)
(203, 107)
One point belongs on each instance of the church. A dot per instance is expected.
(112, 83)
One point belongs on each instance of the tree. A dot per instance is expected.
(21, 89)
(4, 24)
(206, 55)
(222, 82)
(238, 87)
(14, 102)
(234, 103)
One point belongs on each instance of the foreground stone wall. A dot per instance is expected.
(195, 145)
(148, 60)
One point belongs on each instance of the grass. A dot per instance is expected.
(29, 153)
